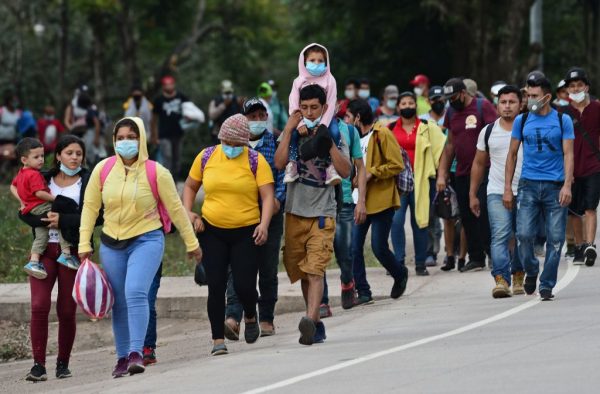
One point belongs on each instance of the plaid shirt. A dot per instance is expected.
(267, 147)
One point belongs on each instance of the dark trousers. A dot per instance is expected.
(268, 262)
(150, 340)
(477, 229)
(225, 248)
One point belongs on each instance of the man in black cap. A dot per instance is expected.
(586, 188)
(465, 118)
(263, 141)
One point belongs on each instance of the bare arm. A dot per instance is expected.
(340, 162)
(96, 131)
(445, 162)
(190, 190)
(477, 172)
(267, 196)
(283, 150)
(509, 173)
(68, 115)
(13, 190)
(360, 212)
(43, 195)
(214, 111)
(565, 193)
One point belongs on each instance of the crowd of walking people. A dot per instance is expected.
(502, 173)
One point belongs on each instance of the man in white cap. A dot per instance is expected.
(222, 107)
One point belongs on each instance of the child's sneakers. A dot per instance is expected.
(69, 261)
(331, 176)
(291, 172)
(36, 270)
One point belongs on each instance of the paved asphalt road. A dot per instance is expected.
(448, 336)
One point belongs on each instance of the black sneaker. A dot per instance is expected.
(320, 335)
(399, 286)
(348, 295)
(62, 370)
(530, 284)
(590, 255)
(579, 258)
(473, 266)
(546, 294)
(570, 253)
(251, 331)
(37, 373)
(461, 264)
(363, 300)
(307, 330)
(449, 264)
(421, 271)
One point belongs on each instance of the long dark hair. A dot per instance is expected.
(63, 142)
(125, 122)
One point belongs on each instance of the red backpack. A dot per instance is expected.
(152, 180)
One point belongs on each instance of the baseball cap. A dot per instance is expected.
(253, 104)
(391, 90)
(576, 74)
(496, 86)
(167, 79)
(535, 77)
(226, 86)
(265, 90)
(419, 79)
(471, 86)
(453, 86)
(561, 84)
(408, 94)
(436, 92)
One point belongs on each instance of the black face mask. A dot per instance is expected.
(457, 104)
(408, 113)
(438, 107)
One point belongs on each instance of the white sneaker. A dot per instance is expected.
(291, 172)
(331, 176)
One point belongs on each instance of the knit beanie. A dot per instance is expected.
(235, 129)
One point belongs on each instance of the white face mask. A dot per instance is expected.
(350, 94)
(364, 93)
(418, 91)
(577, 97)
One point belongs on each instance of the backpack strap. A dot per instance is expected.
(206, 155)
(560, 121)
(523, 120)
(108, 166)
(488, 133)
(479, 103)
(253, 161)
(152, 178)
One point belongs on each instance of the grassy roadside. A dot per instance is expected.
(15, 241)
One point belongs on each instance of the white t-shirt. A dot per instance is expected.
(73, 192)
(499, 144)
(364, 145)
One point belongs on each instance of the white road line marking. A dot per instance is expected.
(571, 273)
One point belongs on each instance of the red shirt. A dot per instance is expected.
(586, 162)
(465, 126)
(28, 181)
(407, 141)
(42, 126)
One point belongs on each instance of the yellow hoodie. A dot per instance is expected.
(428, 150)
(129, 205)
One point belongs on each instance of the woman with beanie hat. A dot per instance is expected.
(231, 224)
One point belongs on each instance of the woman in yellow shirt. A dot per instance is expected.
(233, 224)
(132, 235)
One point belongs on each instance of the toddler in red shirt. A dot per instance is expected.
(30, 188)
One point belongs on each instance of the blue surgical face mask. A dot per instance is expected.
(563, 102)
(232, 151)
(257, 127)
(316, 69)
(391, 103)
(127, 149)
(68, 171)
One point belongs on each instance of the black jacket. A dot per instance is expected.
(69, 212)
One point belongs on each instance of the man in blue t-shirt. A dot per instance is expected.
(545, 185)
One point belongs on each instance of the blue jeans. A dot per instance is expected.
(420, 235)
(503, 226)
(342, 246)
(536, 198)
(334, 131)
(130, 272)
(150, 340)
(268, 262)
(380, 224)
